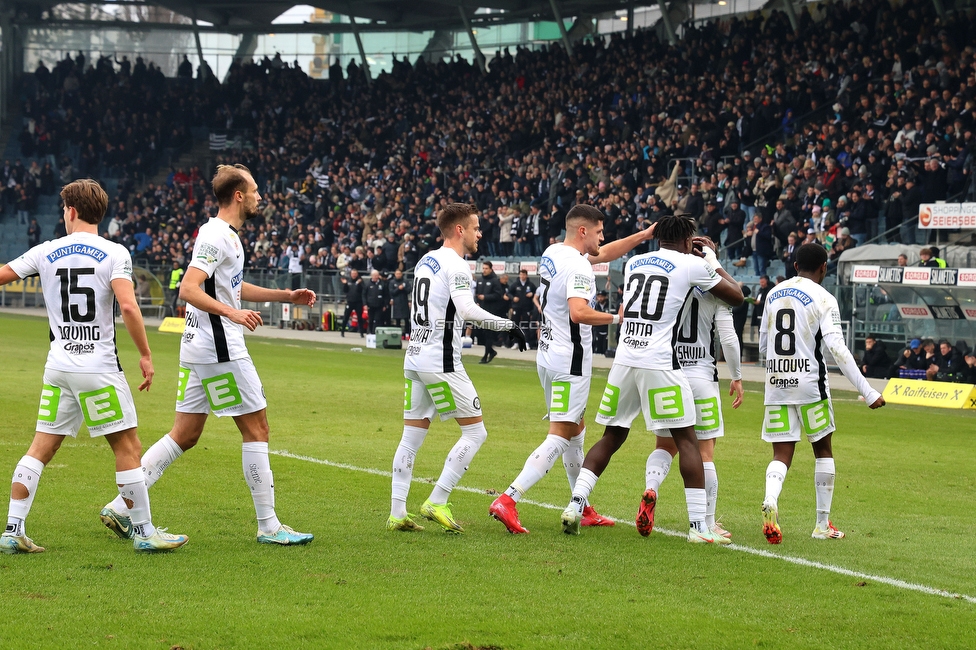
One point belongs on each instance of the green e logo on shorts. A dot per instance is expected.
(181, 382)
(608, 403)
(407, 394)
(443, 397)
(816, 417)
(100, 406)
(50, 401)
(666, 403)
(708, 414)
(777, 419)
(222, 391)
(560, 397)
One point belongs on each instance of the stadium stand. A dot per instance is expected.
(836, 132)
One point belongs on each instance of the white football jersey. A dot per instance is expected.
(435, 326)
(76, 274)
(799, 313)
(209, 338)
(696, 336)
(565, 346)
(656, 287)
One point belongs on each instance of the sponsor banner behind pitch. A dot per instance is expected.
(930, 393)
(947, 215)
(913, 275)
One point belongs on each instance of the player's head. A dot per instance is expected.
(459, 222)
(235, 190)
(584, 224)
(83, 199)
(676, 232)
(811, 262)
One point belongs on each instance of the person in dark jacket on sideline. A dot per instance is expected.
(875, 361)
(353, 288)
(378, 301)
(400, 289)
(488, 295)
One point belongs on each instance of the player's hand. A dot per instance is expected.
(648, 233)
(146, 366)
(878, 403)
(735, 388)
(302, 297)
(517, 335)
(703, 241)
(246, 317)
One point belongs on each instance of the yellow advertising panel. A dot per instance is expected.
(930, 393)
(173, 325)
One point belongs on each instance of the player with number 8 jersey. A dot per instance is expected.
(435, 382)
(801, 322)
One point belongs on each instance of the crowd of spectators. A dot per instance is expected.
(921, 359)
(352, 173)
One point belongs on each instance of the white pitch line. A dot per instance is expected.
(891, 582)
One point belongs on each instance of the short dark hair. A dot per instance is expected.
(227, 181)
(810, 257)
(452, 215)
(674, 228)
(586, 213)
(88, 198)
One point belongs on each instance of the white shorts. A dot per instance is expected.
(102, 401)
(708, 410)
(447, 394)
(786, 422)
(226, 389)
(663, 396)
(566, 395)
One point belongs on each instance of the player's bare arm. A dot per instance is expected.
(132, 316)
(620, 247)
(191, 291)
(7, 275)
(581, 312)
(253, 293)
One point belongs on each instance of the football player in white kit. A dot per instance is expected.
(704, 317)
(801, 321)
(565, 358)
(216, 373)
(82, 276)
(646, 375)
(435, 382)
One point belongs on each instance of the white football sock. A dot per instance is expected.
(823, 475)
(658, 466)
(775, 475)
(406, 452)
(472, 437)
(27, 473)
(257, 473)
(154, 462)
(573, 458)
(585, 483)
(135, 494)
(537, 465)
(696, 500)
(711, 493)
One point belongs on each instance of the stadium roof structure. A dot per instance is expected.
(256, 16)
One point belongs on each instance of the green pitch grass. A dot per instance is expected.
(905, 493)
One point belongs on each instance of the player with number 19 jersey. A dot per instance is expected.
(435, 324)
(76, 274)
